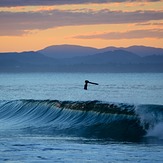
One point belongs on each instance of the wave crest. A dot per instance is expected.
(91, 119)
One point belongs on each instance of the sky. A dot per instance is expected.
(31, 25)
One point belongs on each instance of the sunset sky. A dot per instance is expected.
(27, 25)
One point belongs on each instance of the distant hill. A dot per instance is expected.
(67, 51)
(25, 61)
(145, 51)
(116, 56)
(28, 57)
(69, 58)
(141, 51)
(70, 51)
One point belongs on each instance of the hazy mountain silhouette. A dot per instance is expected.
(141, 51)
(70, 51)
(67, 51)
(69, 58)
(25, 61)
(145, 51)
(116, 56)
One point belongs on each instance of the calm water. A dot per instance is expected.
(23, 140)
(129, 88)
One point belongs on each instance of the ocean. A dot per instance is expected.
(49, 117)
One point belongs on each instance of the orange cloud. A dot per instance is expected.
(9, 3)
(25, 21)
(132, 34)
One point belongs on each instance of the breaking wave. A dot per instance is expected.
(90, 119)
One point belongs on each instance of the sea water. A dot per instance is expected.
(49, 117)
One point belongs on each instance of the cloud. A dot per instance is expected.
(24, 21)
(133, 34)
(149, 24)
(14, 32)
(9, 3)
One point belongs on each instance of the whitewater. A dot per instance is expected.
(49, 117)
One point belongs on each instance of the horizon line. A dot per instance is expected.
(81, 46)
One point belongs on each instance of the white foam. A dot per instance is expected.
(156, 131)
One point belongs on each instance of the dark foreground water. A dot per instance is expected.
(49, 117)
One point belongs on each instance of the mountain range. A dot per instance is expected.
(73, 58)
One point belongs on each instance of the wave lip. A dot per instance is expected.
(90, 119)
